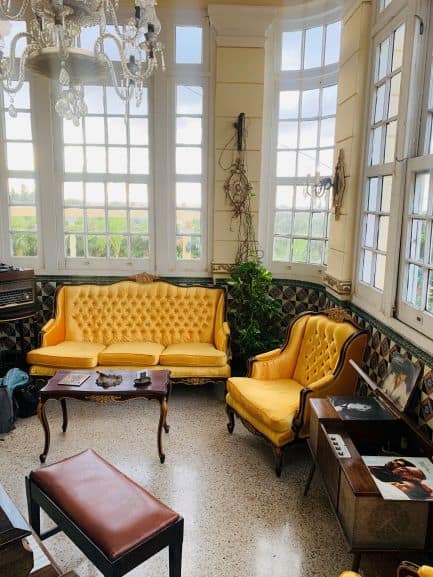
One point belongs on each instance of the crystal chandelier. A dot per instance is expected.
(52, 49)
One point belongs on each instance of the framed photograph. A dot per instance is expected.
(400, 382)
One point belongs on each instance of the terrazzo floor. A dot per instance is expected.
(240, 519)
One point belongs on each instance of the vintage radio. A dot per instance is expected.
(17, 293)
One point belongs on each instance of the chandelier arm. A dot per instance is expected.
(16, 16)
(128, 75)
(112, 12)
(11, 67)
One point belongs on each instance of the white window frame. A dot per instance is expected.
(275, 81)
(162, 210)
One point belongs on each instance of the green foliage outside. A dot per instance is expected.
(253, 313)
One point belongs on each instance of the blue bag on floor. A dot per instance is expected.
(15, 382)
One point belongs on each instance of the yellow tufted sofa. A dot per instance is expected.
(272, 399)
(134, 325)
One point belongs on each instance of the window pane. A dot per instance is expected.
(95, 129)
(429, 304)
(117, 160)
(75, 245)
(372, 194)
(301, 223)
(188, 247)
(139, 246)
(73, 157)
(95, 194)
(116, 194)
(284, 197)
(382, 239)
(189, 100)
(20, 156)
(333, 37)
(188, 45)
(188, 194)
(289, 104)
(313, 47)
(286, 163)
(316, 251)
(329, 100)
(24, 244)
(94, 98)
(379, 276)
(114, 105)
(117, 221)
(291, 50)
(326, 158)
(95, 220)
(73, 193)
(139, 160)
(281, 249)
(22, 191)
(22, 218)
(116, 128)
(188, 221)
(308, 134)
(95, 159)
(300, 250)
(421, 194)
(306, 163)
(394, 95)
(20, 127)
(379, 103)
(188, 160)
(370, 230)
(302, 199)
(327, 132)
(74, 220)
(391, 135)
(118, 246)
(367, 263)
(375, 146)
(318, 224)
(310, 103)
(138, 131)
(283, 223)
(288, 134)
(382, 65)
(417, 239)
(138, 195)
(386, 193)
(188, 130)
(397, 55)
(72, 134)
(97, 246)
(139, 221)
(414, 286)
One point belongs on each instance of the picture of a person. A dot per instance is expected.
(405, 476)
(400, 381)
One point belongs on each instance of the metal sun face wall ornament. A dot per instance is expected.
(53, 51)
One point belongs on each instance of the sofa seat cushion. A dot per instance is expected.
(193, 355)
(274, 402)
(69, 354)
(126, 354)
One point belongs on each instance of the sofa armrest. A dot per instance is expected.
(222, 334)
(53, 332)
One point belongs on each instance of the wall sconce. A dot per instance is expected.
(321, 186)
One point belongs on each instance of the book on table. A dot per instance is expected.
(73, 379)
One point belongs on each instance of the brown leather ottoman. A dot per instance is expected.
(116, 523)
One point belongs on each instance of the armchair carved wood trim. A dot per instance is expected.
(272, 401)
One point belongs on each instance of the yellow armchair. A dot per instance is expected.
(405, 569)
(273, 399)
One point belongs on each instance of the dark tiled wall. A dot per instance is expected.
(295, 297)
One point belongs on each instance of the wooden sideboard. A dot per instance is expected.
(368, 521)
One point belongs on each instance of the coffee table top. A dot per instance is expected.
(159, 383)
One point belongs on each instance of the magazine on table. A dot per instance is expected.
(402, 478)
(73, 379)
(361, 409)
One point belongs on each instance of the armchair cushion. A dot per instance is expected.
(272, 403)
(192, 355)
(67, 355)
(129, 354)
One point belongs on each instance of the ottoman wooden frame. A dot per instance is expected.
(170, 536)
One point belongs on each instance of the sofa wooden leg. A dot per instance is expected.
(231, 415)
(278, 455)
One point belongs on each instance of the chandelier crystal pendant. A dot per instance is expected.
(53, 49)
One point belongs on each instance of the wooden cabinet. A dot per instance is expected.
(369, 522)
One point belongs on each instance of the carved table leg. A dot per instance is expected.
(166, 425)
(65, 415)
(162, 417)
(309, 479)
(43, 418)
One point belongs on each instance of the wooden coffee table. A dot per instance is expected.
(159, 389)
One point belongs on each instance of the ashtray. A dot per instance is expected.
(106, 381)
(142, 382)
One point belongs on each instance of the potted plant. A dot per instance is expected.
(252, 312)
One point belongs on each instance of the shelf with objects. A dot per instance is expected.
(376, 465)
